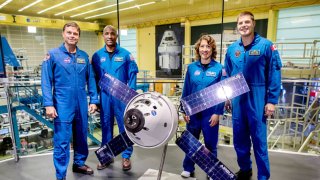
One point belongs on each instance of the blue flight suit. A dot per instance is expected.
(122, 66)
(198, 78)
(63, 82)
(260, 64)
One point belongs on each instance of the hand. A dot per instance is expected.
(269, 109)
(186, 118)
(51, 112)
(92, 108)
(227, 105)
(214, 120)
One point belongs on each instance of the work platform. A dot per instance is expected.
(284, 166)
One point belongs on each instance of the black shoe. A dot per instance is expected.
(244, 175)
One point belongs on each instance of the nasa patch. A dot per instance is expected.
(67, 60)
(237, 53)
(197, 73)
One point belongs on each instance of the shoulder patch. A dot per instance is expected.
(46, 57)
(131, 57)
(273, 47)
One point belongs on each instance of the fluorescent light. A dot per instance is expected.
(94, 10)
(32, 29)
(5, 3)
(26, 7)
(94, 2)
(52, 7)
(132, 7)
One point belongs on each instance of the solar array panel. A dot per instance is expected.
(214, 94)
(200, 155)
(117, 88)
(110, 150)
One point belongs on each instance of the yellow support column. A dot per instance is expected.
(272, 25)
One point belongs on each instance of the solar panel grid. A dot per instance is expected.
(209, 97)
(107, 152)
(203, 157)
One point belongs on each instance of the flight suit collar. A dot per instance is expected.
(64, 49)
(212, 62)
(255, 41)
(116, 50)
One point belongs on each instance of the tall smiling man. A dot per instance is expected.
(258, 59)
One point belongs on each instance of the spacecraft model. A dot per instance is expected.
(169, 50)
(151, 120)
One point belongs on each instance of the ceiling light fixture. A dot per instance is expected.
(26, 7)
(94, 2)
(132, 7)
(5, 3)
(52, 7)
(93, 10)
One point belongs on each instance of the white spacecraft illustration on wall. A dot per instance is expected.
(169, 52)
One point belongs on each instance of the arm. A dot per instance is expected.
(274, 79)
(92, 86)
(95, 63)
(227, 69)
(132, 72)
(274, 74)
(46, 86)
(185, 92)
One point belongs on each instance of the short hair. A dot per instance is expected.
(110, 27)
(71, 24)
(211, 42)
(246, 13)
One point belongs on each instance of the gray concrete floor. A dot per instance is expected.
(284, 166)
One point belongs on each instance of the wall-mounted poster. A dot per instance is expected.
(169, 42)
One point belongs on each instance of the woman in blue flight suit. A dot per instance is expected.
(201, 74)
(65, 73)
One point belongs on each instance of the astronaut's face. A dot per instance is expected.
(205, 50)
(71, 35)
(110, 37)
(245, 25)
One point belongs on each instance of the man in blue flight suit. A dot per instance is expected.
(119, 63)
(65, 73)
(258, 59)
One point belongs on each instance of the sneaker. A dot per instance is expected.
(244, 175)
(103, 166)
(126, 164)
(186, 174)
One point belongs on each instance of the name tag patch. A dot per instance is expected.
(81, 61)
(210, 73)
(254, 52)
(118, 59)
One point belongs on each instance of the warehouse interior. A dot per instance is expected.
(30, 28)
